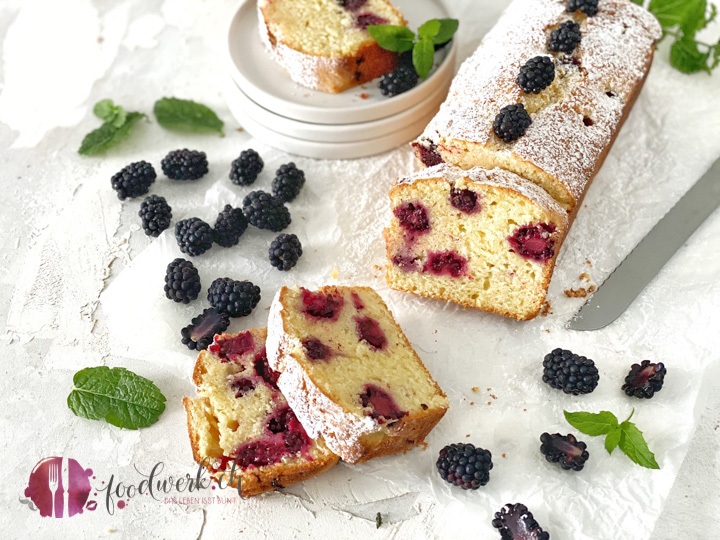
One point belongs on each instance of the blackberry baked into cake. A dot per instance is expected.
(486, 239)
(349, 373)
(240, 415)
(324, 44)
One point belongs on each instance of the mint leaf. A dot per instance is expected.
(391, 37)
(108, 112)
(680, 13)
(186, 115)
(613, 439)
(635, 447)
(108, 135)
(429, 29)
(423, 55)
(117, 395)
(686, 57)
(592, 424)
(448, 27)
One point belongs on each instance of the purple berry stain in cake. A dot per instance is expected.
(413, 217)
(428, 153)
(534, 242)
(364, 20)
(406, 263)
(368, 330)
(242, 386)
(316, 349)
(230, 348)
(445, 263)
(352, 5)
(357, 301)
(465, 200)
(383, 405)
(264, 371)
(322, 305)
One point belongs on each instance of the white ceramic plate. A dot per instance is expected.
(269, 85)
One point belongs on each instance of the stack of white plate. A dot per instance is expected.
(355, 123)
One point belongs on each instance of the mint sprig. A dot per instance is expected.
(626, 435)
(117, 125)
(117, 395)
(185, 115)
(401, 39)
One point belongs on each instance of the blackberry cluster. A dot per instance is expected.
(644, 379)
(511, 122)
(245, 169)
(516, 522)
(401, 80)
(537, 74)
(565, 37)
(285, 251)
(288, 182)
(264, 211)
(588, 7)
(199, 334)
(155, 214)
(569, 372)
(464, 465)
(182, 281)
(133, 180)
(230, 225)
(194, 236)
(185, 164)
(564, 449)
(234, 298)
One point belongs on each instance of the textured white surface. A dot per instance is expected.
(66, 236)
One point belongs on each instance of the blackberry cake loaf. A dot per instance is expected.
(349, 373)
(324, 44)
(241, 423)
(485, 239)
(545, 93)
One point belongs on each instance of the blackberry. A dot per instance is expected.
(564, 449)
(234, 298)
(202, 329)
(516, 522)
(511, 122)
(133, 180)
(288, 182)
(569, 372)
(245, 169)
(401, 80)
(230, 225)
(264, 211)
(536, 75)
(194, 236)
(565, 37)
(155, 214)
(644, 379)
(285, 251)
(185, 164)
(588, 7)
(182, 281)
(464, 465)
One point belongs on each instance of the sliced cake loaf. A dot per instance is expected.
(349, 372)
(324, 44)
(485, 239)
(241, 428)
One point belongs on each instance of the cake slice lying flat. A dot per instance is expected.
(349, 372)
(240, 421)
(486, 239)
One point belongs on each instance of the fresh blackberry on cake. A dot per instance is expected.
(465, 465)
(246, 168)
(133, 180)
(202, 329)
(516, 522)
(185, 164)
(588, 7)
(230, 225)
(285, 251)
(182, 281)
(564, 449)
(194, 236)
(288, 182)
(537, 74)
(644, 379)
(565, 37)
(155, 214)
(235, 298)
(569, 372)
(511, 122)
(265, 211)
(401, 80)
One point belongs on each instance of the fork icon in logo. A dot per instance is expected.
(53, 485)
(66, 476)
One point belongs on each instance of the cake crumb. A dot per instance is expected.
(580, 292)
(493, 396)
(364, 95)
(587, 261)
(524, 410)
(584, 276)
(472, 403)
(475, 389)
(547, 330)
(467, 435)
(240, 129)
(504, 456)
(489, 389)
(546, 309)
(335, 272)
(489, 402)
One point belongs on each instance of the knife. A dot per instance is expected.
(66, 487)
(626, 282)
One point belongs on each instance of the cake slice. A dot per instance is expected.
(486, 239)
(241, 428)
(324, 44)
(349, 372)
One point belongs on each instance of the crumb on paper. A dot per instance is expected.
(584, 276)
(472, 403)
(467, 435)
(588, 262)
(475, 389)
(547, 330)
(488, 389)
(364, 95)
(546, 308)
(378, 267)
(240, 129)
(493, 396)
(489, 402)
(504, 456)
(580, 292)
(524, 410)
(335, 272)
(110, 531)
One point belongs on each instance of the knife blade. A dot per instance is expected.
(643, 263)
(66, 486)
